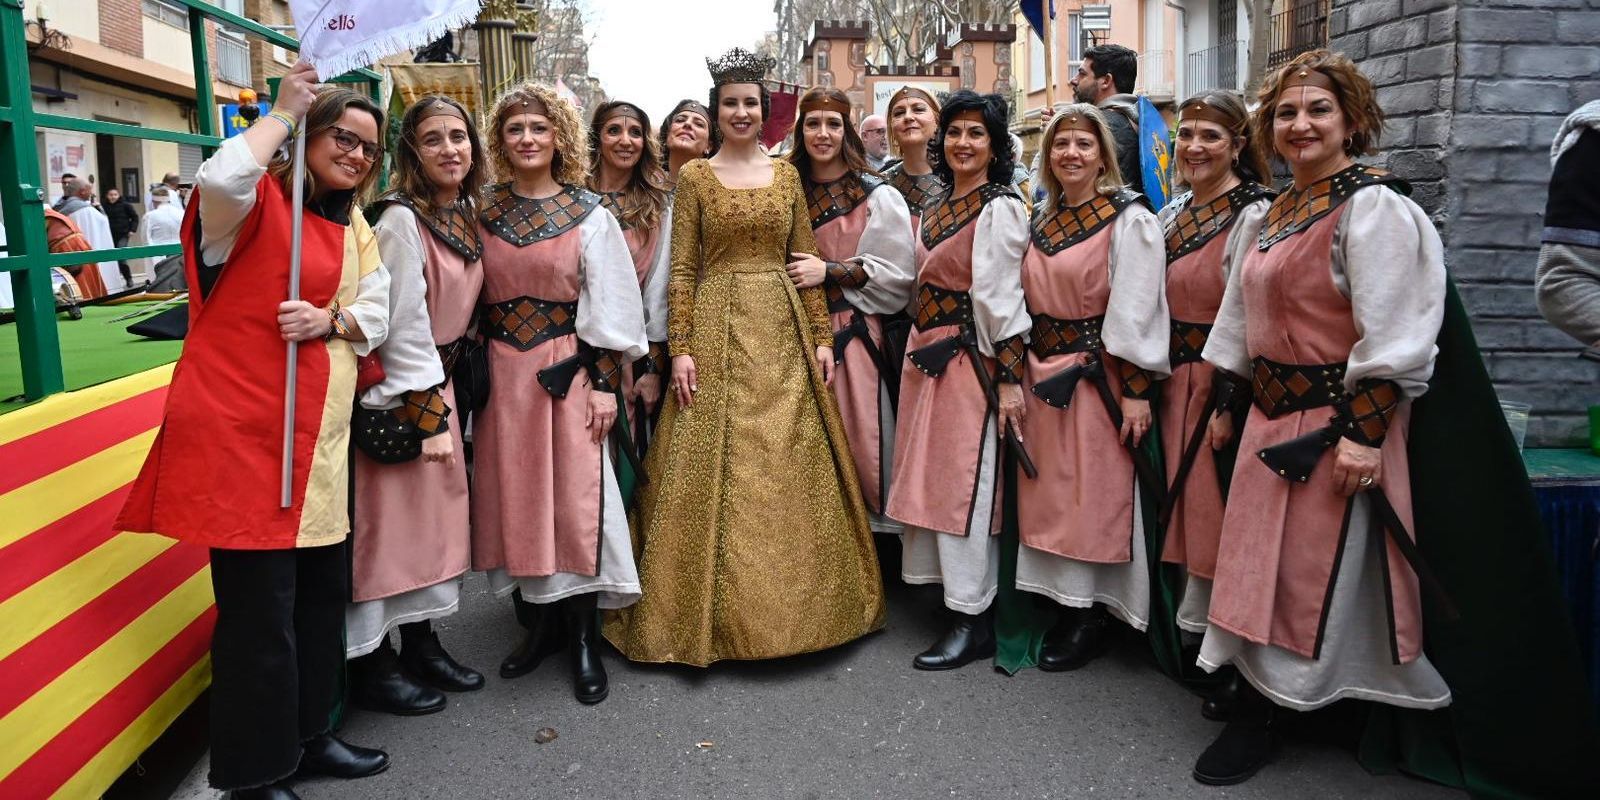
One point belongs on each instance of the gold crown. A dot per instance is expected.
(739, 66)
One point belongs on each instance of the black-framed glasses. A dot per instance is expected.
(348, 142)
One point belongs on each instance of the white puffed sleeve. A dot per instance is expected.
(1137, 327)
(1227, 347)
(998, 309)
(610, 311)
(887, 253)
(409, 358)
(227, 183)
(654, 290)
(1244, 234)
(1387, 258)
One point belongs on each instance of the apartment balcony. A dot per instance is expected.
(1300, 28)
(1220, 67)
(1155, 74)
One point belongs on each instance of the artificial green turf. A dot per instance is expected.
(92, 352)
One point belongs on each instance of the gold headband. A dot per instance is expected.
(1306, 76)
(905, 91)
(439, 108)
(824, 103)
(1202, 111)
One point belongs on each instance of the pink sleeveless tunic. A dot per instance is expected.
(1081, 505)
(942, 422)
(856, 382)
(536, 475)
(1281, 540)
(412, 519)
(1194, 293)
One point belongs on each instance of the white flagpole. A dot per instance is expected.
(286, 498)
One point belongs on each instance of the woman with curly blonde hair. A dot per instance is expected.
(561, 312)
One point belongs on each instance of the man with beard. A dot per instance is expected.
(1105, 78)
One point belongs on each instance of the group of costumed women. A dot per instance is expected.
(766, 361)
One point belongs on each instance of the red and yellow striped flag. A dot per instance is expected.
(104, 636)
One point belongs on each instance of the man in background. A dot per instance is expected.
(124, 220)
(94, 226)
(170, 180)
(1105, 78)
(875, 135)
(1567, 283)
(66, 178)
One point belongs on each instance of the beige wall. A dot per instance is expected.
(75, 18)
(167, 46)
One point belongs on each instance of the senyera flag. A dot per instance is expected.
(340, 35)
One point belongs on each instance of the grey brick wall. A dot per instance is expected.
(1474, 90)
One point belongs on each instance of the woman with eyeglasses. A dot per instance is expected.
(626, 172)
(212, 477)
(412, 541)
(562, 314)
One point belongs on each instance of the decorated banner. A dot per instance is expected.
(104, 635)
(1155, 153)
(339, 37)
(785, 104)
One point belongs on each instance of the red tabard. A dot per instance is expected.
(212, 475)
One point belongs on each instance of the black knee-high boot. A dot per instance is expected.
(1083, 635)
(970, 637)
(379, 683)
(424, 657)
(545, 628)
(589, 682)
(1246, 742)
(1218, 706)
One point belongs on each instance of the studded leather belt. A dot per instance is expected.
(1281, 388)
(837, 302)
(1054, 336)
(938, 306)
(526, 322)
(1188, 340)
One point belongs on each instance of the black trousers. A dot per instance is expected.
(276, 657)
(122, 266)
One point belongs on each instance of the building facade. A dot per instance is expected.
(130, 62)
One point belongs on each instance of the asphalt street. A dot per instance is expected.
(855, 722)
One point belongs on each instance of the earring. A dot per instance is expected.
(1348, 141)
(1236, 159)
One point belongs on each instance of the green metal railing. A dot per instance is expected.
(28, 258)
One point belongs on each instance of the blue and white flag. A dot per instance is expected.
(1035, 11)
(1155, 153)
(337, 36)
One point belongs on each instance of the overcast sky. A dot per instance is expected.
(653, 53)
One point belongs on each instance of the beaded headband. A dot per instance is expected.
(1202, 111)
(907, 91)
(822, 102)
(1306, 76)
(739, 66)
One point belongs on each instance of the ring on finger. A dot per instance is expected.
(1365, 481)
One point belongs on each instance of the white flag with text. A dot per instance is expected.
(337, 36)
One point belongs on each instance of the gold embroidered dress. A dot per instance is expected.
(751, 537)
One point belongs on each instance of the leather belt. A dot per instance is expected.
(1281, 388)
(837, 302)
(1188, 340)
(938, 306)
(1054, 336)
(526, 322)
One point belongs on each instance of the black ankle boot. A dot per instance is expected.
(1082, 636)
(424, 657)
(1245, 745)
(275, 791)
(333, 757)
(970, 637)
(1219, 706)
(546, 635)
(589, 682)
(379, 683)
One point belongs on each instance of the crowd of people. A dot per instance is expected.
(693, 382)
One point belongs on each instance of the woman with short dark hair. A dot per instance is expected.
(967, 350)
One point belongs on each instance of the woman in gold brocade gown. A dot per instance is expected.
(752, 538)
